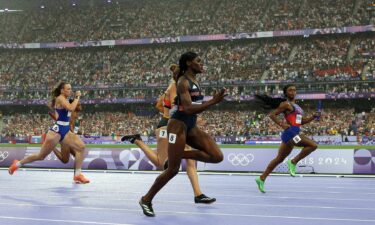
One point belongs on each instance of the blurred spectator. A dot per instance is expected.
(60, 21)
(334, 121)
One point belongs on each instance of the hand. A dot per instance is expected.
(78, 94)
(219, 96)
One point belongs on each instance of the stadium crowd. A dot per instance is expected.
(334, 121)
(122, 19)
(34, 72)
(245, 66)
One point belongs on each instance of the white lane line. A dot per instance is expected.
(135, 172)
(188, 203)
(273, 205)
(131, 183)
(244, 184)
(257, 195)
(271, 189)
(279, 217)
(65, 221)
(201, 213)
(352, 188)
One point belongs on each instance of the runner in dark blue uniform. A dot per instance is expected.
(64, 154)
(182, 127)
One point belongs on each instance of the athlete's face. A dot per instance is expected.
(67, 90)
(291, 92)
(196, 65)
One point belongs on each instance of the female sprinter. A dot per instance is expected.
(291, 136)
(60, 132)
(159, 156)
(182, 127)
(65, 152)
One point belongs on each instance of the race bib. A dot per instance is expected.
(55, 128)
(163, 134)
(172, 138)
(298, 119)
(297, 139)
(69, 114)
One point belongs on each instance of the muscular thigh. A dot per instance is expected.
(305, 141)
(285, 149)
(74, 142)
(176, 142)
(65, 149)
(52, 139)
(200, 140)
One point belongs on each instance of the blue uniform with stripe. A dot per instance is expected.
(62, 124)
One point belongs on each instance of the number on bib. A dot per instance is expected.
(163, 134)
(172, 138)
(297, 139)
(55, 128)
(299, 119)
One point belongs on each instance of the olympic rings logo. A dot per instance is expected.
(240, 159)
(3, 155)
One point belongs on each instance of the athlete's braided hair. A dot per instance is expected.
(267, 102)
(187, 56)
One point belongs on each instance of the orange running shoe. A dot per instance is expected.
(80, 179)
(13, 167)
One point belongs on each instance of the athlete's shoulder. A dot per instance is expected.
(183, 81)
(285, 105)
(59, 97)
(58, 101)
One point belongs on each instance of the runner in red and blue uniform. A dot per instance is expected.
(294, 117)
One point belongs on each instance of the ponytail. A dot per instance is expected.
(55, 93)
(267, 102)
(175, 71)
